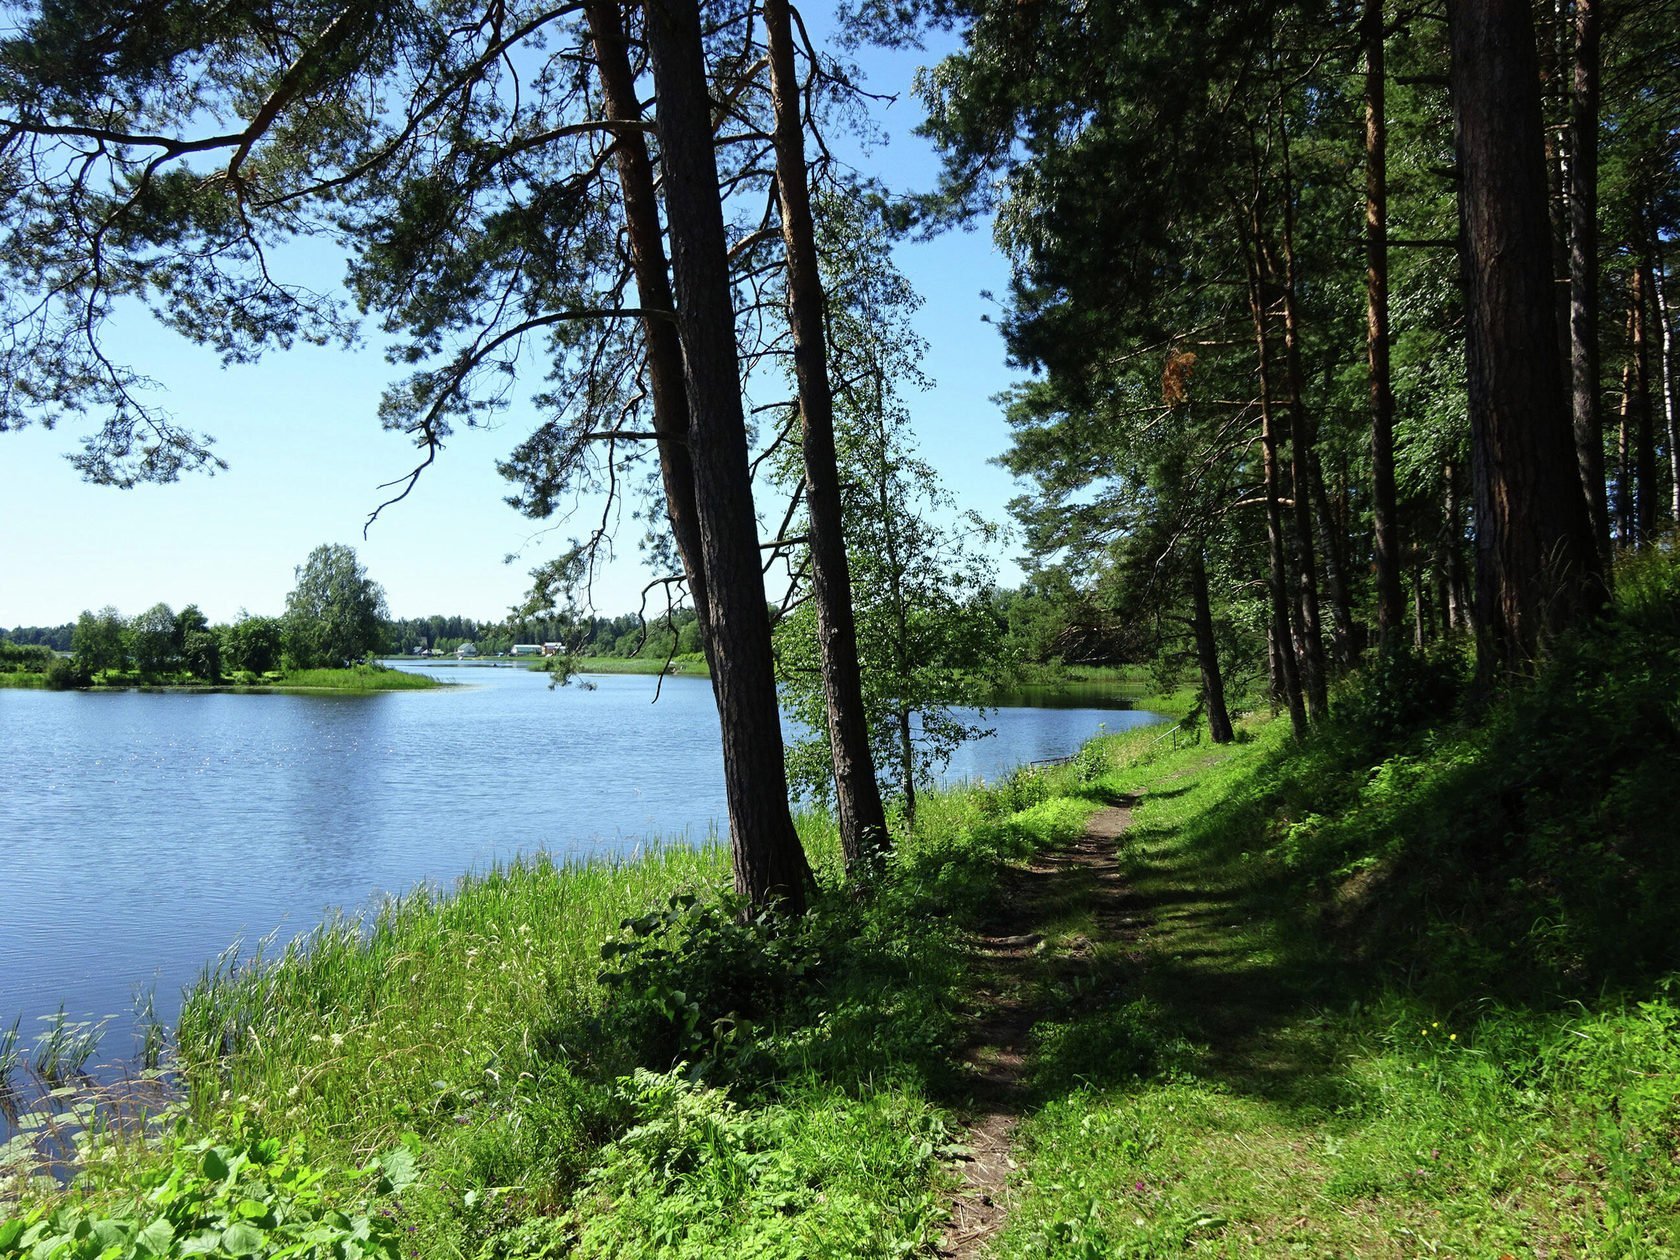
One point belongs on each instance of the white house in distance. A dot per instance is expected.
(465, 650)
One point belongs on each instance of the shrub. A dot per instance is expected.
(64, 674)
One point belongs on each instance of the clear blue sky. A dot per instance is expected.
(307, 455)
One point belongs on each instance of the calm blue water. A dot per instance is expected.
(141, 834)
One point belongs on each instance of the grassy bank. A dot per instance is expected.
(711, 1085)
(1408, 988)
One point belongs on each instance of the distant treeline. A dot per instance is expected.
(625, 635)
(1043, 622)
(55, 637)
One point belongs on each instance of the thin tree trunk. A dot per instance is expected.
(907, 766)
(653, 287)
(1458, 585)
(769, 863)
(1665, 329)
(1278, 579)
(902, 664)
(1644, 438)
(1624, 452)
(1583, 275)
(1314, 681)
(1441, 601)
(1420, 604)
(863, 821)
(1538, 571)
(1207, 653)
(1384, 510)
(1276, 690)
(1343, 648)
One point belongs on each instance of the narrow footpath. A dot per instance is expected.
(1043, 939)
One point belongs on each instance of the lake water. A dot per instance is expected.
(142, 833)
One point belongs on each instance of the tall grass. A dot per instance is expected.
(62, 1051)
(368, 1027)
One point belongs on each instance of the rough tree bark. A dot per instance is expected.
(653, 286)
(863, 821)
(1384, 511)
(1537, 566)
(1583, 275)
(1207, 653)
(769, 863)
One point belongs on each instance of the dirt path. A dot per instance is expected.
(1018, 971)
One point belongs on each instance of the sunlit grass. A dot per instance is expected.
(364, 1029)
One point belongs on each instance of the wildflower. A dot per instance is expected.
(1452, 1036)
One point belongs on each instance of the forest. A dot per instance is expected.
(1349, 385)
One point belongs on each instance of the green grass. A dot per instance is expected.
(358, 678)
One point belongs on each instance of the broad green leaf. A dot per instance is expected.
(155, 1239)
(242, 1239)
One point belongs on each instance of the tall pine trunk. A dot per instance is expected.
(1286, 671)
(769, 863)
(863, 821)
(653, 287)
(1538, 570)
(1384, 512)
(1302, 435)
(1583, 275)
